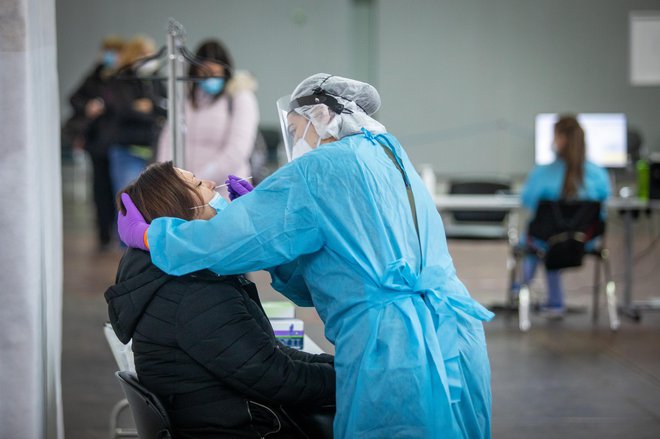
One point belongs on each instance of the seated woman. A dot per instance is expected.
(202, 342)
(570, 177)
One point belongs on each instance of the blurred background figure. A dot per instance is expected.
(570, 177)
(87, 130)
(135, 108)
(222, 116)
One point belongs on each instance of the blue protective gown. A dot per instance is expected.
(335, 230)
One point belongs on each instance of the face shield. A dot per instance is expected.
(315, 112)
(283, 104)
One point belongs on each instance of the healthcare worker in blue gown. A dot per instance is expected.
(349, 228)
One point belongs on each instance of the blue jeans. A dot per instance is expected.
(555, 291)
(124, 166)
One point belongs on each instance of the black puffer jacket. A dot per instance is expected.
(130, 126)
(203, 344)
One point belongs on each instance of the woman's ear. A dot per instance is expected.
(321, 117)
(320, 114)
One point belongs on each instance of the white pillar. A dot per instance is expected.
(30, 223)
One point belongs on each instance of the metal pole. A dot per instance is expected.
(628, 254)
(176, 99)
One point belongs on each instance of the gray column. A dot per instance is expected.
(30, 223)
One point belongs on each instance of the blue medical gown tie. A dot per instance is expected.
(401, 279)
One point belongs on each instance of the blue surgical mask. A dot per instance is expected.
(212, 86)
(217, 203)
(109, 58)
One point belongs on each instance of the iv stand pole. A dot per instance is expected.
(176, 98)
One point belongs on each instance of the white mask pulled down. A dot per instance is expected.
(302, 147)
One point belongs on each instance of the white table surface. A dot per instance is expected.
(477, 202)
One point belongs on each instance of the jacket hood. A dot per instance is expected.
(137, 282)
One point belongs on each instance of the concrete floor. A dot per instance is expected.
(564, 379)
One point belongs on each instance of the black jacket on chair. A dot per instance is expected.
(204, 346)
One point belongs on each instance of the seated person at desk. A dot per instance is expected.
(202, 342)
(570, 176)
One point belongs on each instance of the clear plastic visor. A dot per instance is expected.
(283, 111)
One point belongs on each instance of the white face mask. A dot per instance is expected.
(302, 147)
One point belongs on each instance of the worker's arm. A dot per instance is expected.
(270, 226)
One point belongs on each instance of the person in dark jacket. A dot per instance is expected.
(202, 342)
(88, 129)
(135, 105)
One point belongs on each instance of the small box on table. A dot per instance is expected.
(289, 331)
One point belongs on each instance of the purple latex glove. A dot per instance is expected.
(238, 187)
(131, 226)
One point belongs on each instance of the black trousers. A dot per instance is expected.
(104, 197)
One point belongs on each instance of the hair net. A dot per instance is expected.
(360, 100)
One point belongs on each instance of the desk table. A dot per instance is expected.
(627, 207)
(511, 203)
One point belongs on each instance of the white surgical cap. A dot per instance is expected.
(360, 101)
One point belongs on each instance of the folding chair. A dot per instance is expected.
(124, 357)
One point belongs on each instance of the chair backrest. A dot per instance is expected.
(553, 217)
(150, 416)
(479, 188)
(123, 353)
(566, 226)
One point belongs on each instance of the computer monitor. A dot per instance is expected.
(605, 136)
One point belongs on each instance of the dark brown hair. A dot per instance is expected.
(573, 154)
(210, 51)
(161, 191)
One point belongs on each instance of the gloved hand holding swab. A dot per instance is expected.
(238, 179)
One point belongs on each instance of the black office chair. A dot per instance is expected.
(566, 227)
(150, 416)
(475, 187)
(314, 422)
(477, 224)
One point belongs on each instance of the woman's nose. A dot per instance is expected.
(210, 184)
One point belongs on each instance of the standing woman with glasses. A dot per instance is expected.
(222, 116)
